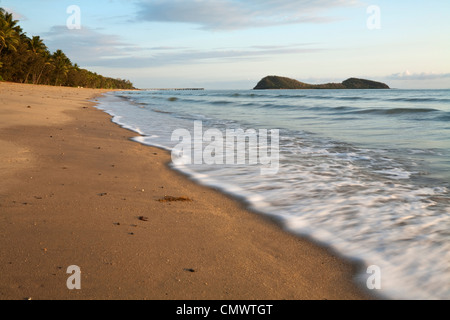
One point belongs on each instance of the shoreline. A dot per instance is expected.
(70, 196)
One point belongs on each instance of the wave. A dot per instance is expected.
(221, 102)
(242, 94)
(359, 98)
(338, 109)
(418, 100)
(343, 108)
(159, 111)
(395, 111)
(291, 97)
(249, 104)
(330, 190)
(446, 117)
(279, 106)
(355, 98)
(353, 110)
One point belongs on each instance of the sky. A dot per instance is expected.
(232, 44)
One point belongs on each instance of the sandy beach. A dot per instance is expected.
(74, 190)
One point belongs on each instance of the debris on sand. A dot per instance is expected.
(175, 199)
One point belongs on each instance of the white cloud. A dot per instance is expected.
(238, 14)
(407, 75)
(16, 15)
(87, 45)
(176, 56)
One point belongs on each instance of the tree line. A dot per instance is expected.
(28, 60)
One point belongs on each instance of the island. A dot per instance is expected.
(276, 82)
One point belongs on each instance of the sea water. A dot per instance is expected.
(365, 172)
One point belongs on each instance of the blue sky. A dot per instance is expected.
(232, 44)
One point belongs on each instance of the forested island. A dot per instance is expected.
(28, 60)
(275, 82)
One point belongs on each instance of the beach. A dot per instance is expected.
(74, 190)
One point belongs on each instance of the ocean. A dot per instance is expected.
(364, 172)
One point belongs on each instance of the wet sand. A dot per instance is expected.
(74, 190)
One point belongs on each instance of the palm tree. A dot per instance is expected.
(47, 62)
(8, 17)
(2, 17)
(37, 45)
(62, 65)
(38, 52)
(9, 32)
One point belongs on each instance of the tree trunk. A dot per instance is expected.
(40, 74)
(26, 78)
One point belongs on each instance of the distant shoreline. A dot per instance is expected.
(174, 89)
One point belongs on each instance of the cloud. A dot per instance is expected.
(167, 48)
(16, 15)
(407, 75)
(91, 48)
(238, 14)
(172, 56)
(87, 45)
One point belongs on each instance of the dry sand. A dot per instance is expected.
(73, 189)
